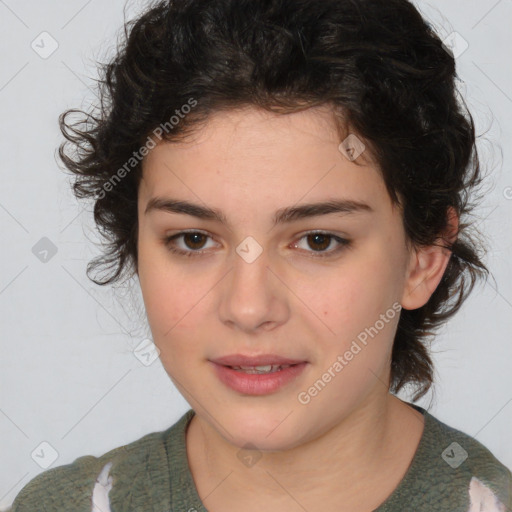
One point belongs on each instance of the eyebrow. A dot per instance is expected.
(281, 216)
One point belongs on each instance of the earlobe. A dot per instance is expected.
(427, 266)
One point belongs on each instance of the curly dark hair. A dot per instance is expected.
(378, 64)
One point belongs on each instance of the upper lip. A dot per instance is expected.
(260, 360)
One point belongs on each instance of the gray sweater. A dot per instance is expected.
(450, 472)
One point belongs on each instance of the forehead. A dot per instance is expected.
(261, 155)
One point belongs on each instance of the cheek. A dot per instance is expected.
(172, 307)
(172, 298)
(361, 312)
(173, 312)
(356, 293)
(360, 305)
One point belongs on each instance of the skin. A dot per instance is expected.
(249, 163)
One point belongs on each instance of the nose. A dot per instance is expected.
(254, 297)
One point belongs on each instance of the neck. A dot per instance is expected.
(369, 447)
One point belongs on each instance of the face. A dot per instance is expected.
(243, 285)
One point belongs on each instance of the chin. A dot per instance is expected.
(266, 432)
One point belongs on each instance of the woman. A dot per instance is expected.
(287, 181)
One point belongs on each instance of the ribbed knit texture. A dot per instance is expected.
(152, 475)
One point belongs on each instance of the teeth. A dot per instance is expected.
(260, 369)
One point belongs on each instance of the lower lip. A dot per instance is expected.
(257, 384)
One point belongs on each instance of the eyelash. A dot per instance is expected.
(169, 243)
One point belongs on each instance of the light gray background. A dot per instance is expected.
(68, 373)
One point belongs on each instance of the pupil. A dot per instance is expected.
(188, 236)
(321, 237)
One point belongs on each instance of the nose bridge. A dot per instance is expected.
(251, 296)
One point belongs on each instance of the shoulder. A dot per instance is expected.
(90, 482)
(467, 468)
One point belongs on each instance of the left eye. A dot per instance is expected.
(194, 242)
(321, 241)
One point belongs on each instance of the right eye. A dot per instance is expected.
(192, 239)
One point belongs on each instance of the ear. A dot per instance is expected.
(427, 266)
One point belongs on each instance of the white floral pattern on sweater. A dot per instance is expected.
(100, 501)
(482, 498)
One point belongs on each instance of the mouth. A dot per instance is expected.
(257, 375)
(262, 362)
(261, 369)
